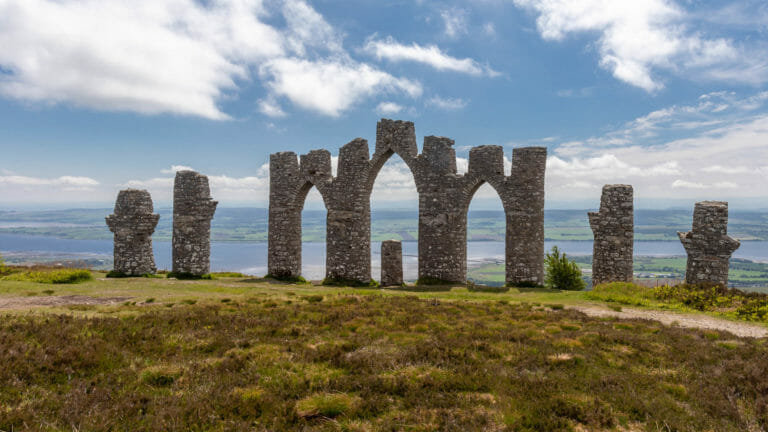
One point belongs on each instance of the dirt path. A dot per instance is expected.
(25, 302)
(683, 320)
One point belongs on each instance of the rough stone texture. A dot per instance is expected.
(444, 197)
(708, 245)
(613, 227)
(193, 210)
(133, 224)
(391, 263)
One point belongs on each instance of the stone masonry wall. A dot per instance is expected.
(708, 245)
(391, 263)
(133, 224)
(444, 198)
(193, 210)
(613, 228)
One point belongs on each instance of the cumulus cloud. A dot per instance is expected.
(430, 55)
(14, 187)
(638, 38)
(189, 58)
(662, 159)
(388, 108)
(330, 86)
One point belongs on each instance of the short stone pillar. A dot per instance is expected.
(193, 210)
(708, 245)
(133, 224)
(613, 228)
(391, 263)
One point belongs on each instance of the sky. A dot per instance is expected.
(670, 96)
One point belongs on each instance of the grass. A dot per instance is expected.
(46, 275)
(364, 359)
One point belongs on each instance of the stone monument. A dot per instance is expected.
(613, 228)
(391, 263)
(708, 245)
(193, 210)
(133, 224)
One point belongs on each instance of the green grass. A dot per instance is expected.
(364, 359)
(48, 276)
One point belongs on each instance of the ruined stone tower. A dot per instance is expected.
(444, 197)
(391, 263)
(613, 228)
(708, 245)
(193, 210)
(133, 224)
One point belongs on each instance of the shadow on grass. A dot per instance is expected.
(536, 290)
(421, 288)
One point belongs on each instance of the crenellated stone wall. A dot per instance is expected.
(391, 263)
(708, 245)
(133, 224)
(613, 227)
(193, 210)
(444, 197)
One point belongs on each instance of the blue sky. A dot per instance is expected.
(99, 95)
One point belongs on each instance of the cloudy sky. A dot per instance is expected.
(98, 95)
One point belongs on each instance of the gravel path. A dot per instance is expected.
(742, 329)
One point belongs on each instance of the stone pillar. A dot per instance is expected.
(613, 228)
(391, 263)
(708, 245)
(284, 236)
(193, 210)
(442, 213)
(524, 210)
(133, 224)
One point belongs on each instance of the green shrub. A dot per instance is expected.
(562, 273)
(326, 405)
(4, 270)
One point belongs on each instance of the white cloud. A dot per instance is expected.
(454, 22)
(331, 86)
(661, 159)
(73, 181)
(269, 107)
(637, 38)
(430, 55)
(180, 57)
(448, 104)
(388, 108)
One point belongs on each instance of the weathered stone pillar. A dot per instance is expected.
(708, 245)
(613, 227)
(391, 263)
(284, 236)
(133, 224)
(193, 210)
(348, 229)
(524, 210)
(442, 214)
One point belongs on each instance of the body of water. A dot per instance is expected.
(251, 258)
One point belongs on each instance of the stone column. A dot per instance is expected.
(442, 213)
(524, 210)
(391, 263)
(708, 245)
(613, 228)
(133, 224)
(193, 210)
(284, 236)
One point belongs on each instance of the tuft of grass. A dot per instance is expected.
(160, 376)
(313, 298)
(217, 275)
(326, 405)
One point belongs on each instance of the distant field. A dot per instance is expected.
(250, 224)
